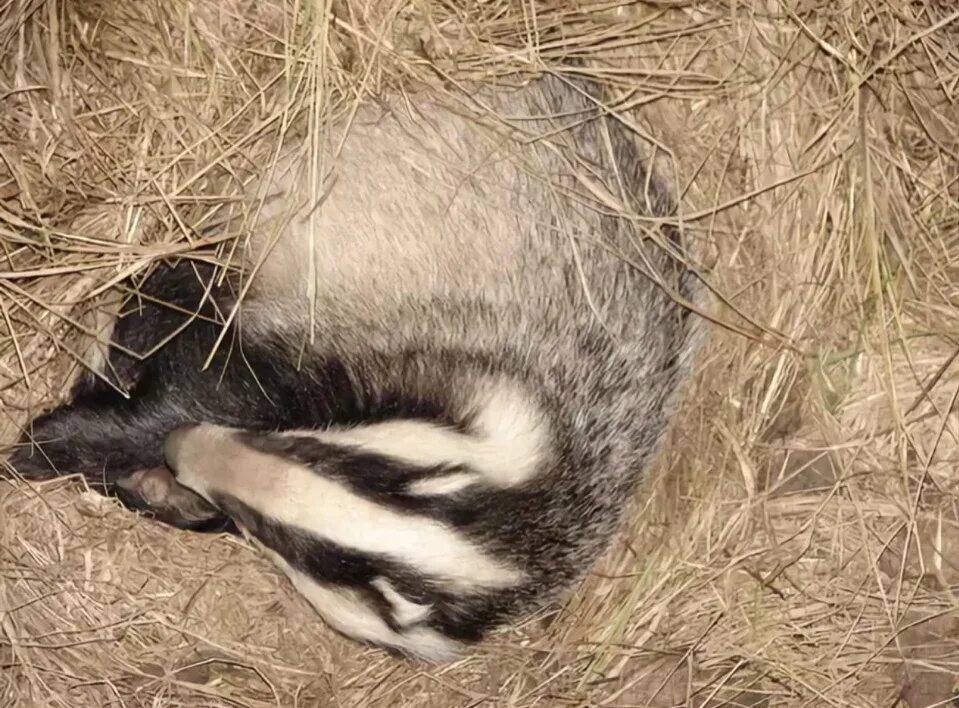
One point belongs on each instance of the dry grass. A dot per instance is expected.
(798, 544)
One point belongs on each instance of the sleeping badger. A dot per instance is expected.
(430, 391)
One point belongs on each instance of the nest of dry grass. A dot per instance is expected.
(798, 543)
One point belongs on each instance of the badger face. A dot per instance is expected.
(443, 382)
(370, 565)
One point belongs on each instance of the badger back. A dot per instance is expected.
(523, 195)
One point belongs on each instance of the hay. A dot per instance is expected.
(798, 542)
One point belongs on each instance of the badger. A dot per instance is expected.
(428, 393)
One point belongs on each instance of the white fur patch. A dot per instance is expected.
(405, 612)
(343, 610)
(208, 459)
(444, 485)
(509, 444)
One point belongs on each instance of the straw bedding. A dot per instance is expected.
(797, 543)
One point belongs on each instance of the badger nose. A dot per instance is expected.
(175, 442)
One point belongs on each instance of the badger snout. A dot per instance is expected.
(155, 491)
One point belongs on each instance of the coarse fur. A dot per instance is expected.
(443, 383)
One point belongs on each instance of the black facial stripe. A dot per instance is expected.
(380, 478)
(341, 459)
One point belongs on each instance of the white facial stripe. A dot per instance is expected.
(509, 445)
(209, 461)
(343, 610)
